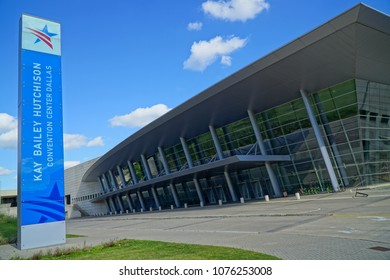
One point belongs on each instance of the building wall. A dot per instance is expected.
(6, 209)
(353, 118)
(78, 194)
(8, 203)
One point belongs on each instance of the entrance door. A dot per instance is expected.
(257, 190)
(220, 193)
(243, 188)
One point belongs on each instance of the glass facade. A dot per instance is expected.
(374, 112)
(353, 118)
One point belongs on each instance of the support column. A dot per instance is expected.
(149, 176)
(217, 145)
(115, 187)
(113, 208)
(230, 186)
(259, 138)
(106, 201)
(320, 141)
(132, 172)
(164, 161)
(155, 197)
(121, 176)
(107, 184)
(129, 201)
(331, 140)
(220, 157)
(107, 205)
(113, 180)
(101, 185)
(285, 178)
(174, 194)
(146, 167)
(141, 200)
(120, 203)
(167, 172)
(186, 152)
(199, 190)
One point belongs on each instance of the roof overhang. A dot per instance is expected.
(355, 44)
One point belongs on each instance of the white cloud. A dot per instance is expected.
(75, 141)
(9, 139)
(226, 60)
(8, 131)
(204, 53)
(235, 10)
(97, 141)
(195, 26)
(71, 163)
(140, 117)
(7, 122)
(5, 171)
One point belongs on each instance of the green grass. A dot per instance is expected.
(69, 235)
(8, 229)
(153, 250)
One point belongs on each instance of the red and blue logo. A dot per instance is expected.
(43, 35)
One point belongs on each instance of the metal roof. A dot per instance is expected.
(354, 44)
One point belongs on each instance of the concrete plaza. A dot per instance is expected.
(316, 227)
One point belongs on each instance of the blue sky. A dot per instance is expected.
(126, 62)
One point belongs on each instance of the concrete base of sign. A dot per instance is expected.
(41, 235)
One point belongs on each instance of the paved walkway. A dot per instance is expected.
(316, 227)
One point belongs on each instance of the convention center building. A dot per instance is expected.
(310, 117)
